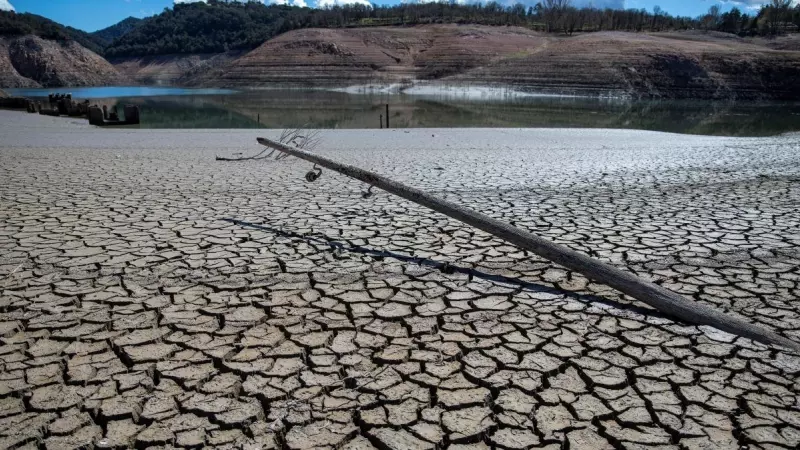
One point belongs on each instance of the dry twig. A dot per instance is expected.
(298, 137)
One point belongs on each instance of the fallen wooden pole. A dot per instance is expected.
(656, 296)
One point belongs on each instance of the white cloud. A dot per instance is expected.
(600, 4)
(300, 3)
(750, 5)
(332, 3)
(5, 5)
(744, 4)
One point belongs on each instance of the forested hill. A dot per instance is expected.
(13, 24)
(107, 35)
(219, 26)
(208, 28)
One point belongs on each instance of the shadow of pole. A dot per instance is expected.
(448, 268)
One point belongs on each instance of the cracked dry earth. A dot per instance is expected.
(151, 297)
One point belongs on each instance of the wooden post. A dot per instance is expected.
(259, 118)
(381, 121)
(387, 115)
(656, 296)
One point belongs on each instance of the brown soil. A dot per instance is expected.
(170, 69)
(670, 65)
(787, 42)
(30, 61)
(315, 57)
(675, 65)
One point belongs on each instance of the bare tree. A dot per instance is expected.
(711, 20)
(656, 15)
(778, 11)
(554, 12)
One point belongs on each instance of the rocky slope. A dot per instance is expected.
(30, 61)
(668, 65)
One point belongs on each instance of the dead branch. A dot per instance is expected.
(297, 137)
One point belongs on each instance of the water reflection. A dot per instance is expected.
(325, 109)
(115, 91)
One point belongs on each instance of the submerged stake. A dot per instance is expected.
(656, 296)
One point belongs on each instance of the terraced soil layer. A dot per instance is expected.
(669, 65)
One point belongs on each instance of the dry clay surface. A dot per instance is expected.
(152, 297)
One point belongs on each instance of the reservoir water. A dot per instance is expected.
(165, 107)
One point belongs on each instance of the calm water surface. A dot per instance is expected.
(221, 108)
(110, 92)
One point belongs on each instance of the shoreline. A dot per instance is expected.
(23, 130)
(16, 119)
(491, 109)
(418, 88)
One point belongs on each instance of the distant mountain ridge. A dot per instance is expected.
(217, 26)
(14, 24)
(590, 52)
(108, 35)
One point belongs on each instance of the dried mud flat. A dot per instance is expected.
(151, 297)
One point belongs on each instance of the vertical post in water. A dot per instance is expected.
(387, 115)
(258, 116)
(381, 121)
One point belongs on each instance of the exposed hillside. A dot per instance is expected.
(170, 69)
(13, 24)
(670, 65)
(107, 35)
(30, 61)
(338, 57)
(674, 65)
(217, 26)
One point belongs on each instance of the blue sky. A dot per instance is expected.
(91, 15)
